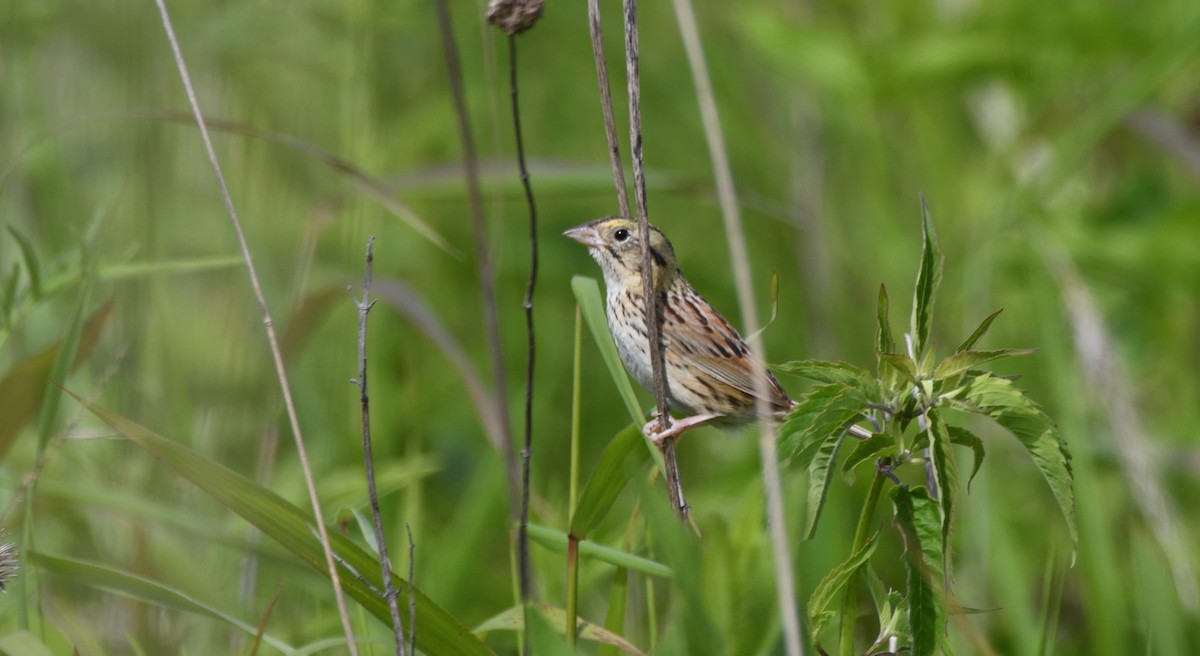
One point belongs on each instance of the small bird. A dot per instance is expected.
(709, 369)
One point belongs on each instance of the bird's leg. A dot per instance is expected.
(653, 429)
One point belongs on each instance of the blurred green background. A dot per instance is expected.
(1058, 145)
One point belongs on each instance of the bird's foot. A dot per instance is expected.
(657, 433)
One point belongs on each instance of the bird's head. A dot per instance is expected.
(615, 243)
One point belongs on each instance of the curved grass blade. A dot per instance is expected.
(557, 541)
(32, 266)
(142, 589)
(587, 294)
(438, 631)
(23, 389)
(513, 619)
(624, 456)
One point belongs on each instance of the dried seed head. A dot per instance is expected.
(514, 16)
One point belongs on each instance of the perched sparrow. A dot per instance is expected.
(710, 373)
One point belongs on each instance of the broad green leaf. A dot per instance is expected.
(945, 473)
(32, 266)
(23, 388)
(137, 587)
(964, 437)
(917, 517)
(513, 619)
(833, 582)
(867, 449)
(884, 342)
(624, 456)
(1009, 407)
(889, 605)
(820, 475)
(169, 267)
(557, 541)
(969, 343)
(23, 643)
(929, 276)
(292, 528)
(962, 361)
(902, 364)
(587, 294)
(822, 371)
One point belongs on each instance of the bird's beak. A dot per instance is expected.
(585, 234)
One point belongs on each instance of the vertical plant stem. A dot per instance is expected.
(726, 194)
(389, 589)
(652, 313)
(850, 601)
(610, 129)
(572, 589)
(576, 411)
(527, 450)
(273, 341)
(412, 600)
(487, 275)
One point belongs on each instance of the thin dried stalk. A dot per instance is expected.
(273, 341)
(606, 107)
(727, 197)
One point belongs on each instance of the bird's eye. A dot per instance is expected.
(621, 234)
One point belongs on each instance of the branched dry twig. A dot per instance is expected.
(653, 308)
(276, 355)
(364, 306)
(741, 269)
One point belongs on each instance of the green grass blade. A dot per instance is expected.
(23, 643)
(554, 618)
(624, 456)
(557, 541)
(32, 266)
(137, 587)
(64, 362)
(929, 276)
(438, 632)
(169, 267)
(587, 294)
(24, 387)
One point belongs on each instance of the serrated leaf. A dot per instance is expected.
(833, 582)
(884, 342)
(439, 632)
(32, 266)
(1009, 407)
(970, 342)
(801, 418)
(929, 276)
(624, 456)
(963, 361)
(108, 578)
(867, 449)
(587, 294)
(903, 364)
(557, 541)
(820, 475)
(964, 437)
(823, 371)
(945, 474)
(513, 619)
(917, 517)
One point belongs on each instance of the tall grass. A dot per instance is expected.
(1020, 123)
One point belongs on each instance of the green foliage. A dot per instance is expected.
(904, 403)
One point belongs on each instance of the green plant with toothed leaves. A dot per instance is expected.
(903, 403)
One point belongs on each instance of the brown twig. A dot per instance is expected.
(412, 600)
(727, 196)
(526, 452)
(389, 590)
(606, 106)
(487, 275)
(273, 341)
(652, 309)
